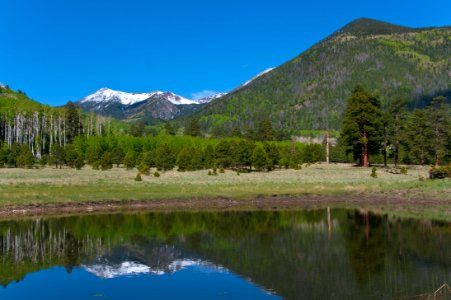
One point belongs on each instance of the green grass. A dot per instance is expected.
(41, 186)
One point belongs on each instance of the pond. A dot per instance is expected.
(295, 254)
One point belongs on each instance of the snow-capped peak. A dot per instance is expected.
(176, 99)
(108, 95)
(129, 268)
(210, 98)
(256, 76)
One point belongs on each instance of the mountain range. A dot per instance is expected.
(148, 107)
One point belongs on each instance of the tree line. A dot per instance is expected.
(421, 136)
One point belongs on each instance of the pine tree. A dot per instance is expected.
(164, 158)
(236, 131)
(106, 162)
(265, 131)
(130, 159)
(73, 122)
(184, 159)
(439, 114)
(193, 128)
(260, 160)
(362, 128)
(417, 137)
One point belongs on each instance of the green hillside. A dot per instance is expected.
(310, 91)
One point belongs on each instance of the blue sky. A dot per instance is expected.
(60, 50)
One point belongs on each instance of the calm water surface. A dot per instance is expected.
(305, 254)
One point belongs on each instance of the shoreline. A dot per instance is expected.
(387, 204)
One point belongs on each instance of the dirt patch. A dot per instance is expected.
(378, 202)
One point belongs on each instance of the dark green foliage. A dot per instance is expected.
(138, 177)
(260, 160)
(169, 129)
(192, 128)
(223, 154)
(137, 129)
(236, 131)
(130, 159)
(373, 172)
(106, 163)
(156, 174)
(44, 160)
(439, 113)
(440, 172)
(144, 169)
(57, 155)
(362, 128)
(265, 131)
(184, 159)
(73, 122)
(403, 170)
(117, 155)
(417, 138)
(164, 158)
(79, 163)
(25, 158)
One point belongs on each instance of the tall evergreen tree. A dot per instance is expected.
(362, 128)
(260, 160)
(265, 131)
(193, 128)
(439, 113)
(417, 137)
(73, 122)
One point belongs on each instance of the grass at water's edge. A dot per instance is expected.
(19, 187)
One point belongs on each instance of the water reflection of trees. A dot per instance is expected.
(299, 255)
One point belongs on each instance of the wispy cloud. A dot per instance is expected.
(202, 94)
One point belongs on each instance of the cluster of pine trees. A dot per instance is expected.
(421, 136)
(167, 152)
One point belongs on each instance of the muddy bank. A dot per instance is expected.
(385, 203)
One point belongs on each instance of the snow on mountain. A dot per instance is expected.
(177, 100)
(124, 269)
(255, 77)
(106, 95)
(130, 268)
(210, 98)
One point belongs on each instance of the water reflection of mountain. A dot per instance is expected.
(301, 254)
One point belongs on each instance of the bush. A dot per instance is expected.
(79, 163)
(138, 177)
(373, 172)
(403, 170)
(96, 165)
(440, 172)
(156, 174)
(144, 169)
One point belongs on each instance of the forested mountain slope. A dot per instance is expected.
(311, 90)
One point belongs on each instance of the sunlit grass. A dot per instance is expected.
(49, 185)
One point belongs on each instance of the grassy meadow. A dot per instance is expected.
(49, 185)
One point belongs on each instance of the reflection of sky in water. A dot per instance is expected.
(197, 280)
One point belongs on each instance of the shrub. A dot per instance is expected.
(138, 177)
(373, 172)
(440, 172)
(156, 174)
(403, 170)
(79, 163)
(144, 169)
